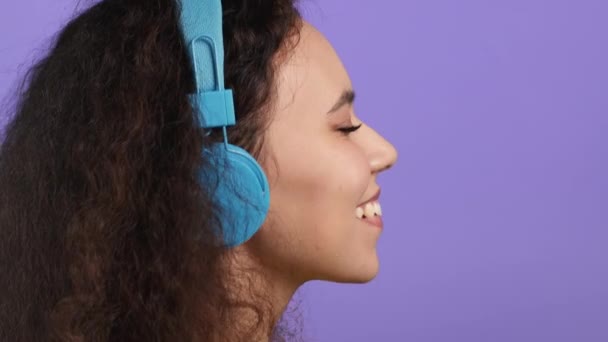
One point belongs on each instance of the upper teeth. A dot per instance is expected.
(369, 209)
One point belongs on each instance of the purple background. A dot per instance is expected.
(497, 211)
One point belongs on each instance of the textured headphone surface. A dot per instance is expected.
(234, 177)
(240, 187)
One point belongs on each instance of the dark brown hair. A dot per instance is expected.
(105, 232)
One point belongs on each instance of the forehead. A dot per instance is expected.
(313, 72)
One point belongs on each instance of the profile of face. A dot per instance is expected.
(318, 174)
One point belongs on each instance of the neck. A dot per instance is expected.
(257, 286)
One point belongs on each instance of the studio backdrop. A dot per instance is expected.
(496, 213)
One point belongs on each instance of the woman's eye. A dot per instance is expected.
(348, 130)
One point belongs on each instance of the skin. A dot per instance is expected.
(317, 176)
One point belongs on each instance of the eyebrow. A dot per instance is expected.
(347, 97)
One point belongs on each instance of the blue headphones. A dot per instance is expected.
(233, 176)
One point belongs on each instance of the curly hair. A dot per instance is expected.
(106, 233)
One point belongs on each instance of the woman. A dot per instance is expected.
(106, 231)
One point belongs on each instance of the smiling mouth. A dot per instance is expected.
(369, 210)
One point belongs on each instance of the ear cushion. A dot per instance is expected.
(241, 189)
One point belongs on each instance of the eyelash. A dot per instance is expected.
(348, 130)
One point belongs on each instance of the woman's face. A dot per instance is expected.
(318, 175)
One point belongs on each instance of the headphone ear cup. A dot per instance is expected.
(240, 186)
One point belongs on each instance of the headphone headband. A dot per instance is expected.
(201, 23)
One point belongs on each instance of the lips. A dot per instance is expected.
(374, 221)
(371, 199)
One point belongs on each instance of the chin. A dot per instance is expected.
(365, 277)
(368, 270)
(358, 275)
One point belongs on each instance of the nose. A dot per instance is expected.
(382, 154)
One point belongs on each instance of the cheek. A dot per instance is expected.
(326, 178)
(320, 190)
(350, 174)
